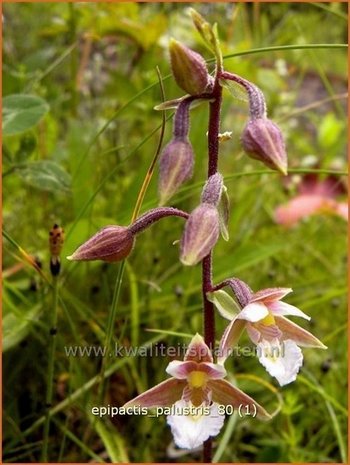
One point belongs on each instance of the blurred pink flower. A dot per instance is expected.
(315, 196)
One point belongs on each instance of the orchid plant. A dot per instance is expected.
(197, 389)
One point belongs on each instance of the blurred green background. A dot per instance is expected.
(76, 154)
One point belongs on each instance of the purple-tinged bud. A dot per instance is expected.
(200, 235)
(189, 68)
(212, 190)
(262, 140)
(176, 167)
(111, 244)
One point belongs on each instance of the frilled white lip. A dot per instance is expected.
(282, 361)
(191, 431)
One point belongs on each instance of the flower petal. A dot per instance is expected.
(282, 361)
(281, 308)
(298, 334)
(198, 351)
(273, 293)
(180, 370)
(330, 187)
(162, 395)
(253, 333)
(190, 431)
(300, 207)
(253, 312)
(303, 206)
(231, 335)
(225, 394)
(269, 332)
(213, 370)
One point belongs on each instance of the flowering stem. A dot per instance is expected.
(214, 128)
(207, 284)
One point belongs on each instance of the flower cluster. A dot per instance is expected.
(197, 386)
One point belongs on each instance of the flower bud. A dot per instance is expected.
(189, 68)
(263, 140)
(111, 244)
(212, 190)
(176, 167)
(201, 234)
(203, 27)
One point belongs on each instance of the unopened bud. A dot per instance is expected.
(212, 190)
(189, 68)
(111, 244)
(203, 27)
(201, 234)
(262, 140)
(176, 167)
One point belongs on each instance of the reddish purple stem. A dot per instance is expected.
(207, 284)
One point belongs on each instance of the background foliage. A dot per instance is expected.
(80, 85)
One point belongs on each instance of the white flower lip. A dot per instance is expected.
(190, 431)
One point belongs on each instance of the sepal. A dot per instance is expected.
(225, 304)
